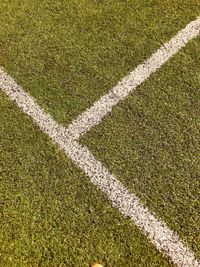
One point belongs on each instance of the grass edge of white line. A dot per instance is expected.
(159, 234)
(165, 240)
(94, 115)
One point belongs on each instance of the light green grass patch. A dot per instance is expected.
(151, 142)
(69, 53)
(51, 215)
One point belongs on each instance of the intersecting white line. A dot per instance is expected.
(157, 231)
(104, 105)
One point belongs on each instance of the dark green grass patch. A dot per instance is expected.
(151, 142)
(69, 53)
(51, 215)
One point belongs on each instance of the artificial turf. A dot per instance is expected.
(51, 214)
(151, 142)
(69, 53)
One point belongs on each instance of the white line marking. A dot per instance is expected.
(165, 240)
(102, 107)
(29, 106)
(157, 231)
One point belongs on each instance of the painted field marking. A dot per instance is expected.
(104, 105)
(166, 240)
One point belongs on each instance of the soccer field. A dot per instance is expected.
(100, 133)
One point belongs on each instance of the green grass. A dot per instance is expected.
(151, 142)
(69, 53)
(51, 214)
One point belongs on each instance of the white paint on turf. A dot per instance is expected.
(29, 106)
(102, 107)
(157, 231)
(165, 240)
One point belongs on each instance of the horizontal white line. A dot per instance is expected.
(102, 107)
(157, 231)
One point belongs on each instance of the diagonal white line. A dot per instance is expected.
(29, 106)
(157, 231)
(104, 105)
(165, 240)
